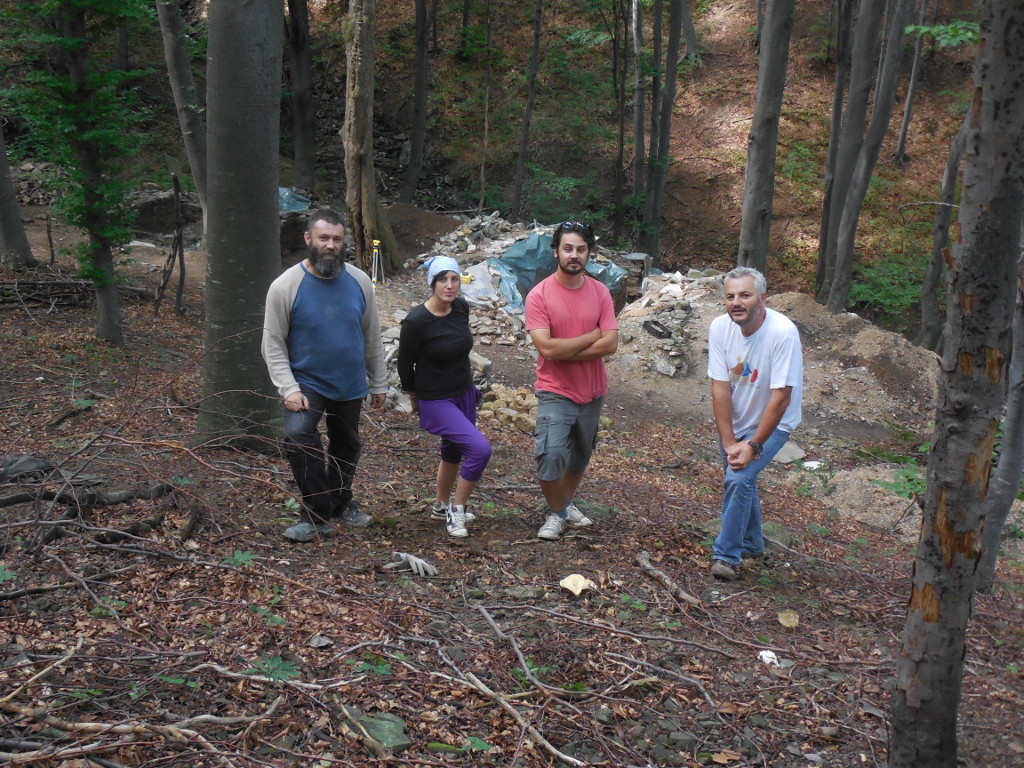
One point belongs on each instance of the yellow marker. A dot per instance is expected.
(466, 278)
(375, 265)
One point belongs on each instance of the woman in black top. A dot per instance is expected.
(433, 365)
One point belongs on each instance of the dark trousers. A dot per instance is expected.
(324, 477)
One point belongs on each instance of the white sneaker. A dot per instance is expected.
(439, 511)
(575, 517)
(552, 529)
(456, 522)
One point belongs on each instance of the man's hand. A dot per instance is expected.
(296, 401)
(739, 455)
(377, 400)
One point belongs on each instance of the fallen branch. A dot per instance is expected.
(675, 590)
(522, 721)
(64, 585)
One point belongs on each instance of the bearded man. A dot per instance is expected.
(321, 343)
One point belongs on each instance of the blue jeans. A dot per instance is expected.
(324, 480)
(741, 508)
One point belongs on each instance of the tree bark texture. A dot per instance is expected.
(366, 215)
(639, 96)
(183, 88)
(244, 253)
(95, 218)
(1005, 483)
(931, 315)
(881, 116)
(420, 91)
(981, 291)
(300, 97)
(851, 132)
(15, 252)
(651, 236)
(762, 142)
(899, 154)
(524, 129)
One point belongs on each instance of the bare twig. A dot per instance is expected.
(676, 591)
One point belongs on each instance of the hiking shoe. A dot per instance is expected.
(553, 528)
(439, 511)
(353, 517)
(722, 571)
(575, 518)
(456, 522)
(305, 532)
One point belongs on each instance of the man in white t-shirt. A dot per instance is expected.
(755, 363)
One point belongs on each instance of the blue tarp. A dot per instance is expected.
(531, 260)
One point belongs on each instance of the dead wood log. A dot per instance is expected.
(675, 590)
(88, 498)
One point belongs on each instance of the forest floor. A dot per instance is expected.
(153, 614)
(173, 622)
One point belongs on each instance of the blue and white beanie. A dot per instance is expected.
(438, 264)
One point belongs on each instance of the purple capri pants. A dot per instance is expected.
(454, 419)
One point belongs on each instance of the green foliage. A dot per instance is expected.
(633, 603)
(107, 608)
(275, 668)
(194, 684)
(537, 671)
(888, 286)
(240, 558)
(818, 529)
(83, 114)
(950, 35)
(371, 664)
(907, 482)
(6, 574)
(800, 166)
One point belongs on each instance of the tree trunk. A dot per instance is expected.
(759, 181)
(244, 252)
(931, 312)
(300, 97)
(420, 91)
(899, 155)
(183, 88)
(1005, 483)
(651, 235)
(368, 221)
(620, 48)
(843, 29)
(981, 288)
(639, 88)
(15, 252)
(881, 115)
(95, 215)
(690, 34)
(524, 129)
(851, 134)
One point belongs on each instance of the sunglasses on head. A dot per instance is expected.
(567, 226)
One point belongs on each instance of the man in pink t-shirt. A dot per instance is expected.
(572, 322)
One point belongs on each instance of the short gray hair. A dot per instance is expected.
(759, 282)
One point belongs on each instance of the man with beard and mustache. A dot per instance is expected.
(321, 341)
(572, 322)
(755, 363)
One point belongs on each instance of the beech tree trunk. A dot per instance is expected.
(931, 314)
(639, 96)
(1005, 483)
(981, 291)
(650, 238)
(881, 116)
(244, 252)
(15, 252)
(420, 91)
(183, 89)
(300, 97)
(524, 129)
(762, 142)
(850, 134)
(368, 221)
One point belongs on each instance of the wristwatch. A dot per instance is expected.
(755, 447)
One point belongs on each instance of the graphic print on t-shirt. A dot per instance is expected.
(742, 374)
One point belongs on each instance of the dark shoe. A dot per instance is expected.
(722, 571)
(761, 557)
(305, 532)
(354, 518)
